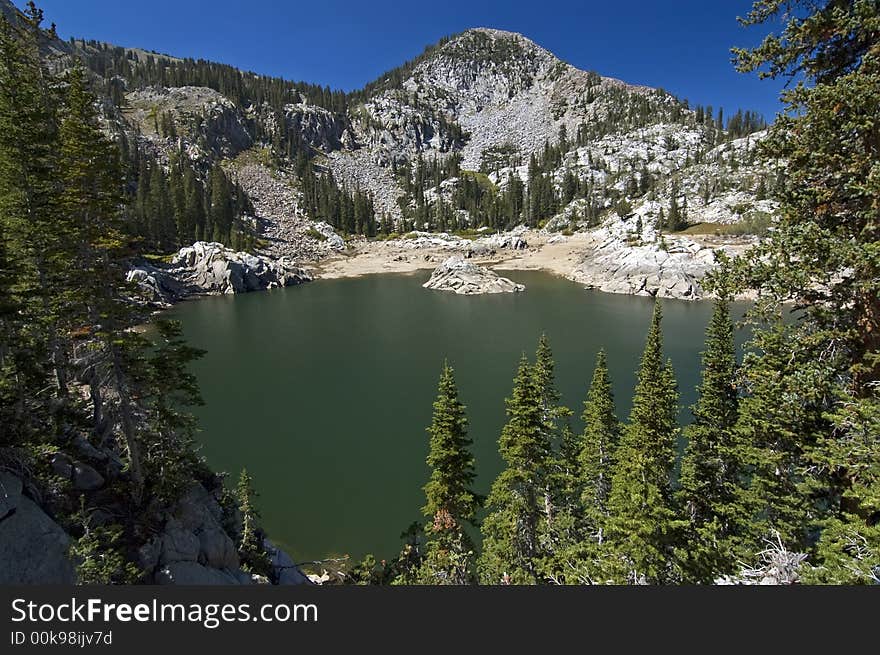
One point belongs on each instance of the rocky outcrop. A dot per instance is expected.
(646, 263)
(317, 127)
(193, 574)
(194, 548)
(33, 547)
(646, 270)
(159, 285)
(482, 245)
(211, 268)
(218, 269)
(513, 240)
(328, 235)
(205, 115)
(463, 277)
(284, 569)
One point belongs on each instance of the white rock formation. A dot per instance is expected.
(331, 239)
(212, 268)
(215, 268)
(645, 264)
(464, 277)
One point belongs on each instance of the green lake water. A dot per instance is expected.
(323, 391)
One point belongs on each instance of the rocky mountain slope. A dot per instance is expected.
(485, 129)
(486, 91)
(490, 99)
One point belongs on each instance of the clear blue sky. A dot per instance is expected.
(680, 45)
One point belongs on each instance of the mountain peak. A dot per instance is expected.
(494, 33)
(495, 43)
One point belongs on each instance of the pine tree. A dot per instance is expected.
(597, 455)
(582, 558)
(675, 218)
(162, 227)
(166, 389)
(451, 501)
(821, 256)
(28, 213)
(250, 549)
(557, 525)
(642, 525)
(98, 553)
(778, 422)
(221, 207)
(712, 474)
(91, 200)
(515, 504)
(141, 225)
(194, 209)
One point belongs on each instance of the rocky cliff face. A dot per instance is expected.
(193, 546)
(503, 88)
(318, 128)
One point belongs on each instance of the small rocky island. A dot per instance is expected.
(464, 277)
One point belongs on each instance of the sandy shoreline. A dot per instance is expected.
(559, 258)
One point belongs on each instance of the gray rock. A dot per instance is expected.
(217, 549)
(156, 284)
(479, 250)
(284, 569)
(178, 544)
(85, 478)
(114, 466)
(33, 548)
(198, 513)
(212, 268)
(333, 240)
(61, 466)
(464, 277)
(198, 508)
(671, 268)
(148, 554)
(194, 574)
(317, 127)
(220, 124)
(10, 490)
(253, 577)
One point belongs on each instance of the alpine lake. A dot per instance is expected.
(323, 391)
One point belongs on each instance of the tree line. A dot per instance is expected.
(244, 88)
(349, 211)
(173, 208)
(619, 502)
